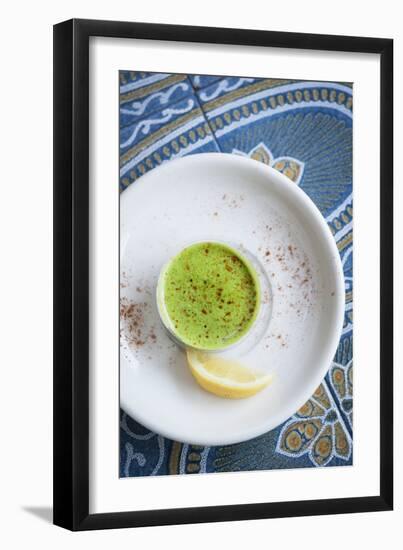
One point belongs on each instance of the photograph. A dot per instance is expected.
(236, 273)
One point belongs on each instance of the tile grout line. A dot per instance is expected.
(204, 114)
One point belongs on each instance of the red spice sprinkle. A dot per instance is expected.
(132, 319)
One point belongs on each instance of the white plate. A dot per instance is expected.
(215, 196)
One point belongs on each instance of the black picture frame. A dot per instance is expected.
(71, 274)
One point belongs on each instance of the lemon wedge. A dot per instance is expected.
(225, 378)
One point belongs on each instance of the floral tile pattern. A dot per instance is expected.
(304, 130)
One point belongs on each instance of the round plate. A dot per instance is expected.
(215, 196)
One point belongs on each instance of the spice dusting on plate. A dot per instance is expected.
(133, 325)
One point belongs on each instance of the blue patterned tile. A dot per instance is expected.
(221, 87)
(340, 379)
(340, 222)
(230, 88)
(174, 131)
(140, 98)
(303, 129)
(127, 78)
(316, 435)
(200, 81)
(142, 453)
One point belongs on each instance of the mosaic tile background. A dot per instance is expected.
(303, 129)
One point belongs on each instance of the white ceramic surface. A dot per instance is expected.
(215, 196)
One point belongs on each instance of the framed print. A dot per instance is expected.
(222, 198)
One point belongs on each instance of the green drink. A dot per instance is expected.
(208, 296)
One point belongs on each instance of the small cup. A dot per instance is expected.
(257, 276)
